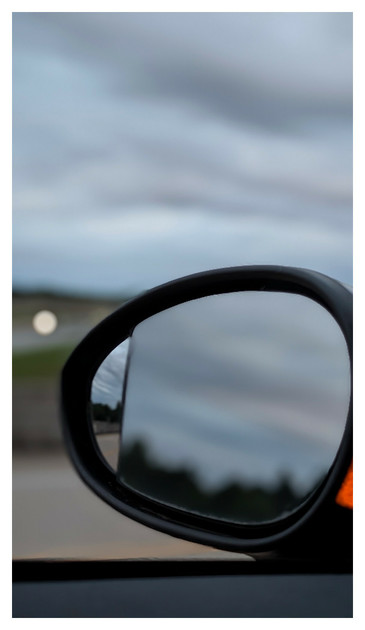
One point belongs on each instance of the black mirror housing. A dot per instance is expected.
(318, 524)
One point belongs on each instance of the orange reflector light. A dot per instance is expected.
(345, 494)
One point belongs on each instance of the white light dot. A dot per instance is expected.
(45, 322)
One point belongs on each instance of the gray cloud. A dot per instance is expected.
(244, 119)
(300, 59)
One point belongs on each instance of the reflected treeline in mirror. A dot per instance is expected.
(106, 402)
(233, 500)
(235, 405)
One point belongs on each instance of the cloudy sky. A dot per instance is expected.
(150, 146)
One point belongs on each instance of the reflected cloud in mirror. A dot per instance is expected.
(236, 405)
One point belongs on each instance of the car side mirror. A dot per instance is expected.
(218, 407)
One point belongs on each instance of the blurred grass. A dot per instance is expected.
(41, 363)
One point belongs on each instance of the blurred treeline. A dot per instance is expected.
(233, 501)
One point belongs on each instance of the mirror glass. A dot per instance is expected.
(106, 402)
(235, 404)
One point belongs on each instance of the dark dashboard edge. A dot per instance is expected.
(39, 570)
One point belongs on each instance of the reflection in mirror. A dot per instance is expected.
(106, 402)
(236, 405)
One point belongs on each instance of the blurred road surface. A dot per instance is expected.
(56, 516)
(25, 338)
